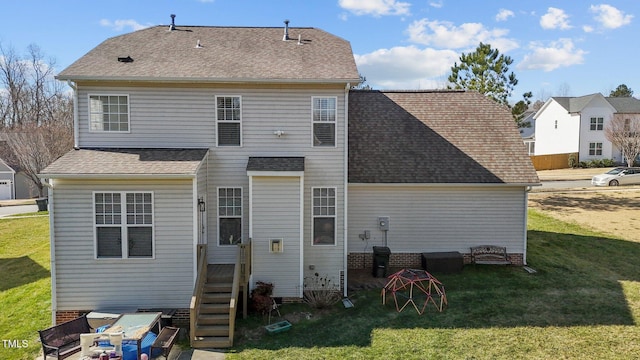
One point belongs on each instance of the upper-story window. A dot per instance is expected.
(597, 123)
(229, 120)
(109, 113)
(324, 115)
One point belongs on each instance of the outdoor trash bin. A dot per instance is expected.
(380, 261)
(42, 204)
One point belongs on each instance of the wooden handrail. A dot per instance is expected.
(245, 250)
(234, 294)
(196, 298)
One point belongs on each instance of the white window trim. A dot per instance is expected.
(123, 226)
(595, 148)
(227, 121)
(334, 216)
(108, 131)
(218, 217)
(335, 128)
(596, 117)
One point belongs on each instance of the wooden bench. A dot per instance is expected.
(165, 340)
(489, 254)
(63, 340)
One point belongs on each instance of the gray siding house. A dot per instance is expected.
(207, 148)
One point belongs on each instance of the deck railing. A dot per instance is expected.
(196, 298)
(245, 272)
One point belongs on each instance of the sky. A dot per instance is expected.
(559, 48)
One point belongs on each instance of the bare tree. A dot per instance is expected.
(36, 113)
(36, 146)
(624, 132)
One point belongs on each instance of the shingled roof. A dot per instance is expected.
(120, 163)
(622, 105)
(230, 54)
(434, 137)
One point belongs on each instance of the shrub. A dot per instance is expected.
(261, 300)
(320, 292)
(597, 163)
(608, 163)
(573, 161)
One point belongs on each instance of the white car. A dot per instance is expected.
(618, 176)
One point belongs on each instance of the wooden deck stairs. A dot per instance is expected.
(213, 322)
(214, 303)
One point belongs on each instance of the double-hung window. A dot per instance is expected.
(595, 148)
(123, 224)
(596, 124)
(324, 216)
(229, 120)
(109, 113)
(229, 216)
(324, 114)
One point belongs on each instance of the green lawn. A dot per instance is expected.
(25, 290)
(584, 302)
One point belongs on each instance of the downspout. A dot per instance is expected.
(302, 259)
(76, 125)
(346, 185)
(196, 214)
(526, 224)
(52, 250)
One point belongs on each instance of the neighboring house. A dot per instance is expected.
(529, 133)
(11, 176)
(576, 125)
(191, 138)
(7, 181)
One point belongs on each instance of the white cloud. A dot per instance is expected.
(375, 7)
(504, 14)
(406, 67)
(119, 25)
(561, 53)
(587, 28)
(446, 35)
(436, 4)
(610, 17)
(555, 19)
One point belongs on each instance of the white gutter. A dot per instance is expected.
(345, 208)
(76, 125)
(118, 176)
(456, 185)
(189, 80)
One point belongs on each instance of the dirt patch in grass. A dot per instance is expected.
(615, 212)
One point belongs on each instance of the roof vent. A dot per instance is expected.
(127, 59)
(198, 45)
(173, 22)
(286, 31)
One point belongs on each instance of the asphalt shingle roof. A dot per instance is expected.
(623, 105)
(275, 164)
(225, 54)
(434, 137)
(126, 162)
